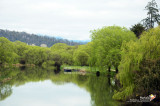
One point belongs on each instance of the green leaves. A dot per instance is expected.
(81, 55)
(35, 55)
(7, 54)
(138, 29)
(106, 45)
(134, 53)
(63, 53)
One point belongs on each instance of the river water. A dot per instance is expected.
(41, 87)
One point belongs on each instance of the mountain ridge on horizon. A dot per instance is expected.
(36, 39)
(59, 37)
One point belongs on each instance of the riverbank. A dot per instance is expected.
(18, 65)
(86, 68)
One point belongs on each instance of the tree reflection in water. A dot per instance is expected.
(5, 91)
(101, 88)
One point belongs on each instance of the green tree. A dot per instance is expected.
(35, 55)
(134, 54)
(106, 46)
(82, 54)
(59, 46)
(138, 29)
(20, 47)
(63, 53)
(7, 54)
(81, 58)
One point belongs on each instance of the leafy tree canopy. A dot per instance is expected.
(106, 45)
(138, 29)
(133, 55)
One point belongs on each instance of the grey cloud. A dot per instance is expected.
(72, 19)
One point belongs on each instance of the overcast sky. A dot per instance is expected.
(71, 19)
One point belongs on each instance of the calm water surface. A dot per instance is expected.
(39, 87)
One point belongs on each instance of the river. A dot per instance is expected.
(34, 86)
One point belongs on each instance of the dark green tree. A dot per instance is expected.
(137, 29)
(153, 15)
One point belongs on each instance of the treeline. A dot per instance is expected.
(35, 39)
(60, 53)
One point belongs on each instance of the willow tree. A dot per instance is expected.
(20, 47)
(81, 55)
(106, 46)
(35, 55)
(63, 53)
(7, 51)
(153, 15)
(133, 55)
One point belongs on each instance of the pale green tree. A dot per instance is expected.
(7, 54)
(133, 55)
(106, 46)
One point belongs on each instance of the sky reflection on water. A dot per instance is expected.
(35, 86)
(45, 93)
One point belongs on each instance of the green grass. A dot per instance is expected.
(90, 69)
(86, 68)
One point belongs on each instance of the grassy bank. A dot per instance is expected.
(86, 68)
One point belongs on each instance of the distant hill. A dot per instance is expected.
(35, 39)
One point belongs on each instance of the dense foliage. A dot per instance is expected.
(106, 46)
(134, 55)
(63, 53)
(82, 54)
(138, 29)
(59, 53)
(35, 39)
(7, 51)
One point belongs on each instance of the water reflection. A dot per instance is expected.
(99, 88)
(5, 91)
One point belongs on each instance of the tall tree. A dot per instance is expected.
(106, 43)
(153, 15)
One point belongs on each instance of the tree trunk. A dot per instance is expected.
(109, 81)
(116, 69)
(109, 69)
